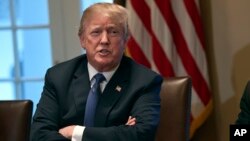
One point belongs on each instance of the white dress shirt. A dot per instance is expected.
(79, 130)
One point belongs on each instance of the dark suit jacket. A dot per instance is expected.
(244, 115)
(65, 93)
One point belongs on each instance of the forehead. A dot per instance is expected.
(103, 19)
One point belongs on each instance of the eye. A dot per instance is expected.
(95, 32)
(114, 32)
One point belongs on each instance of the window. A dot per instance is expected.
(28, 30)
(25, 48)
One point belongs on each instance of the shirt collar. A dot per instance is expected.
(92, 72)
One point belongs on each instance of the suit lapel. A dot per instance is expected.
(112, 93)
(80, 87)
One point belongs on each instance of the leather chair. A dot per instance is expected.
(15, 120)
(175, 110)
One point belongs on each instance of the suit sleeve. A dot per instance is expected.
(244, 115)
(46, 119)
(146, 109)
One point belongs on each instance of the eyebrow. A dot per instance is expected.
(109, 25)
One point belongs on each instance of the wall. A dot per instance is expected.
(65, 17)
(227, 32)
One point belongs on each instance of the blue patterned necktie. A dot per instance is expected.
(93, 100)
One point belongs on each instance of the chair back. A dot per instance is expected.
(15, 120)
(175, 109)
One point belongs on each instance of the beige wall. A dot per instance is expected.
(227, 30)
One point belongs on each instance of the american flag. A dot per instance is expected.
(167, 36)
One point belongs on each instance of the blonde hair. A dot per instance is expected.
(114, 11)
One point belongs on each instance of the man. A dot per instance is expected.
(129, 104)
(244, 115)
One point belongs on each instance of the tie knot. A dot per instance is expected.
(99, 78)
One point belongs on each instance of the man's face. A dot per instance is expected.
(104, 41)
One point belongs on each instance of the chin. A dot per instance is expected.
(106, 66)
(104, 60)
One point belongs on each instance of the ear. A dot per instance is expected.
(82, 41)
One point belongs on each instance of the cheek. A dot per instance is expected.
(93, 42)
(122, 47)
(90, 44)
(119, 43)
(118, 51)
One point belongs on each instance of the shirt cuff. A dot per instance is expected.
(77, 133)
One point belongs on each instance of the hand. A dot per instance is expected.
(67, 131)
(131, 121)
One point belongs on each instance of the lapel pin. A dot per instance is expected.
(118, 88)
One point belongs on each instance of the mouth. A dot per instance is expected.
(104, 52)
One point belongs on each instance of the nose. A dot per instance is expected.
(105, 38)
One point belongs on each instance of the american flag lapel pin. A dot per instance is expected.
(118, 88)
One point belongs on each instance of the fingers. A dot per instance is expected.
(131, 121)
(67, 131)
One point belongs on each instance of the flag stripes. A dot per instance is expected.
(167, 36)
(193, 12)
